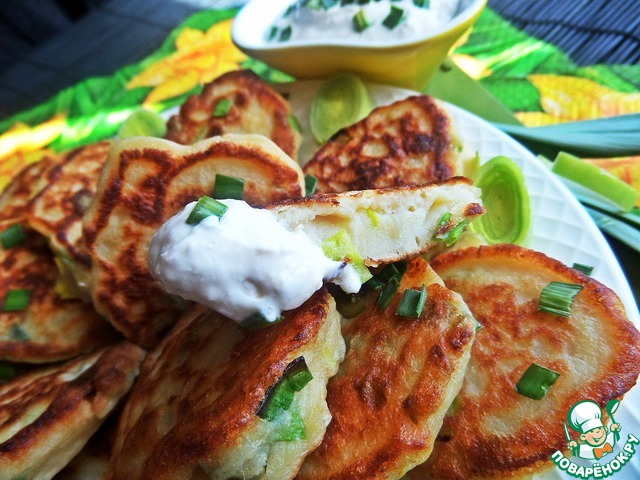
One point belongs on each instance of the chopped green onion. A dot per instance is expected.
(373, 216)
(412, 302)
(362, 2)
(586, 269)
(444, 221)
(310, 184)
(18, 333)
(340, 247)
(258, 320)
(279, 396)
(327, 4)
(7, 371)
(285, 34)
(360, 21)
(143, 123)
(557, 298)
(536, 382)
(274, 31)
(206, 207)
(223, 107)
(290, 426)
(396, 15)
(388, 292)
(452, 236)
(295, 123)
(16, 300)
(346, 2)
(12, 236)
(380, 279)
(228, 187)
(422, 3)
(595, 178)
(506, 199)
(340, 101)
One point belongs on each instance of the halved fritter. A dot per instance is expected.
(15, 199)
(57, 210)
(48, 415)
(144, 183)
(49, 328)
(399, 377)
(236, 102)
(385, 225)
(193, 411)
(409, 142)
(495, 432)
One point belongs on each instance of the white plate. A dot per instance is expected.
(561, 228)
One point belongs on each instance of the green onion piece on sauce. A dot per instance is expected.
(12, 236)
(422, 3)
(586, 269)
(273, 32)
(17, 300)
(412, 302)
(536, 382)
(206, 207)
(228, 187)
(285, 34)
(396, 15)
(557, 298)
(310, 184)
(360, 21)
(223, 107)
(279, 396)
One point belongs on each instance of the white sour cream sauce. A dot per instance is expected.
(337, 21)
(242, 263)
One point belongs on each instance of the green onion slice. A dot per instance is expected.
(223, 107)
(341, 247)
(506, 199)
(339, 102)
(360, 21)
(12, 236)
(536, 382)
(16, 300)
(395, 17)
(273, 32)
(412, 302)
(422, 3)
(290, 426)
(279, 396)
(388, 292)
(7, 371)
(18, 333)
(206, 207)
(143, 123)
(310, 184)
(581, 267)
(557, 298)
(393, 270)
(228, 187)
(595, 178)
(285, 33)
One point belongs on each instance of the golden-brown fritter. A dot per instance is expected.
(57, 209)
(254, 108)
(399, 377)
(409, 142)
(193, 411)
(495, 432)
(144, 183)
(50, 328)
(46, 416)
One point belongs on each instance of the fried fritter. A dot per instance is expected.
(399, 377)
(48, 415)
(409, 142)
(495, 432)
(57, 210)
(144, 183)
(254, 108)
(385, 225)
(193, 411)
(50, 328)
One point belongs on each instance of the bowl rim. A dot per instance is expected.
(247, 15)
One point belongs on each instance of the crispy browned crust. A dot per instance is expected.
(596, 351)
(257, 108)
(195, 398)
(146, 181)
(74, 408)
(50, 328)
(406, 143)
(398, 378)
(14, 200)
(57, 210)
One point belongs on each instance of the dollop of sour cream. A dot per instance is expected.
(302, 22)
(242, 263)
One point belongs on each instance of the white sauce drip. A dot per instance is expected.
(337, 21)
(242, 263)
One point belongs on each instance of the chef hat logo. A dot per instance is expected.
(585, 415)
